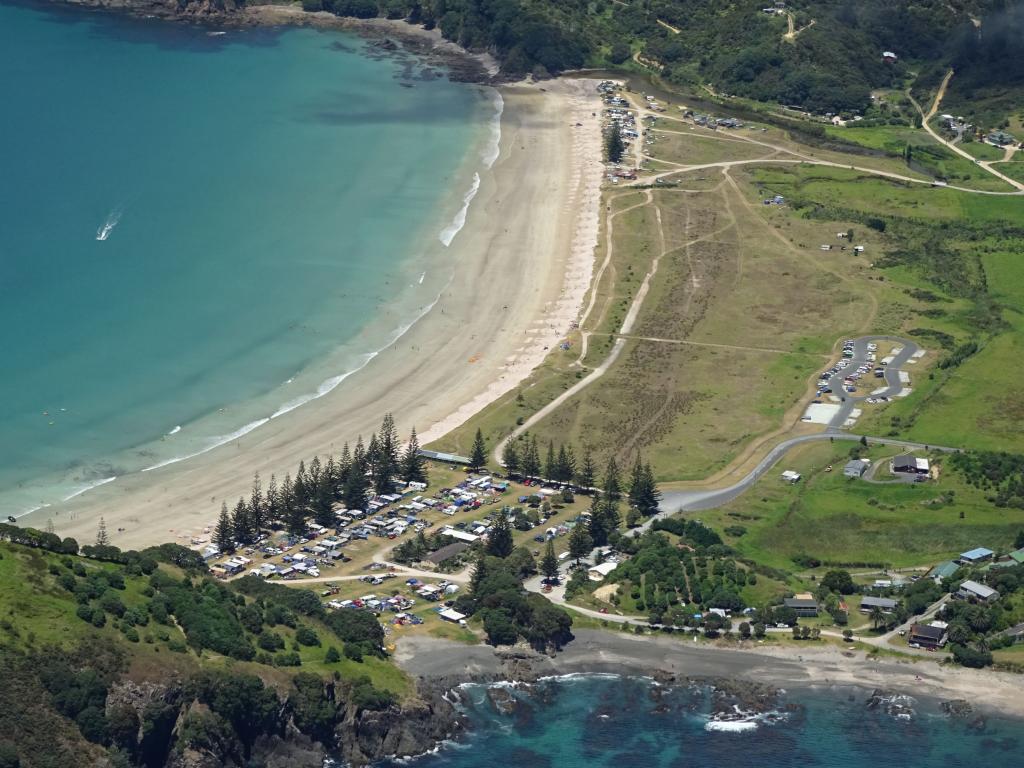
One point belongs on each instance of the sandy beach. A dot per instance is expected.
(820, 667)
(524, 264)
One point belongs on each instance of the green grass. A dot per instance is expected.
(836, 519)
(981, 150)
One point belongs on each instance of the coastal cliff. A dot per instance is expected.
(177, 730)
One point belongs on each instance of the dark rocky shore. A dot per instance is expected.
(425, 54)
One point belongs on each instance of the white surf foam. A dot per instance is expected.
(113, 218)
(214, 443)
(731, 726)
(448, 233)
(175, 431)
(325, 387)
(89, 487)
(492, 151)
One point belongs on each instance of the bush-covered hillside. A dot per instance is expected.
(141, 659)
(831, 63)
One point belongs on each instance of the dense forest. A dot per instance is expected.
(831, 63)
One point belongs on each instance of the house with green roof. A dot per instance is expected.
(943, 571)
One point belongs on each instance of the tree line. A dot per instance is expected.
(347, 479)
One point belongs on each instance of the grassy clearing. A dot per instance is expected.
(982, 151)
(839, 520)
(677, 143)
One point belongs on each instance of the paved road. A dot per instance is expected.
(849, 401)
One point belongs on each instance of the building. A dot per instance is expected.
(804, 606)
(1000, 138)
(453, 616)
(598, 572)
(448, 458)
(887, 605)
(928, 635)
(856, 468)
(790, 476)
(943, 570)
(972, 590)
(889, 57)
(447, 553)
(910, 465)
(1017, 558)
(1016, 633)
(455, 533)
(976, 556)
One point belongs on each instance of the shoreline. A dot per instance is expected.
(453, 361)
(445, 663)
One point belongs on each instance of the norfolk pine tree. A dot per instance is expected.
(478, 455)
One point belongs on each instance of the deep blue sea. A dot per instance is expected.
(586, 722)
(203, 229)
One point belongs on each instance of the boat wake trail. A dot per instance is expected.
(113, 218)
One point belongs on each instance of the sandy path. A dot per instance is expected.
(524, 264)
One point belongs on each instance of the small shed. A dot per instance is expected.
(449, 614)
(856, 468)
(598, 572)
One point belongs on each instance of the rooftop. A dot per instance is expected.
(978, 553)
(978, 589)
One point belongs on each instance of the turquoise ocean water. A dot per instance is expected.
(591, 722)
(200, 230)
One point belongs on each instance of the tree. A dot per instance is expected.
(839, 581)
(566, 464)
(549, 563)
(240, 522)
(102, 539)
(387, 464)
(614, 146)
(531, 458)
(510, 456)
(848, 635)
(877, 617)
(499, 539)
(759, 630)
(222, 534)
(478, 454)
(612, 483)
(323, 501)
(257, 507)
(273, 501)
(550, 463)
(356, 482)
(1018, 543)
(414, 467)
(332, 656)
(744, 630)
(585, 478)
(580, 542)
(644, 495)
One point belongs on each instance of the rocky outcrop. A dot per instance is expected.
(412, 729)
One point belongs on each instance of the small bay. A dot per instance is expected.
(202, 229)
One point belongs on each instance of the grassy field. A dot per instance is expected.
(857, 523)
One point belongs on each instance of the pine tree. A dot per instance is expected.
(612, 485)
(549, 563)
(273, 501)
(499, 539)
(478, 454)
(651, 497)
(510, 456)
(614, 146)
(478, 573)
(240, 523)
(102, 539)
(341, 470)
(566, 464)
(49, 525)
(636, 483)
(294, 514)
(387, 460)
(323, 502)
(531, 458)
(299, 489)
(580, 542)
(550, 467)
(414, 467)
(356, 483)
(585, 478)
(257, 507)
(373, 459)
(222, 534)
